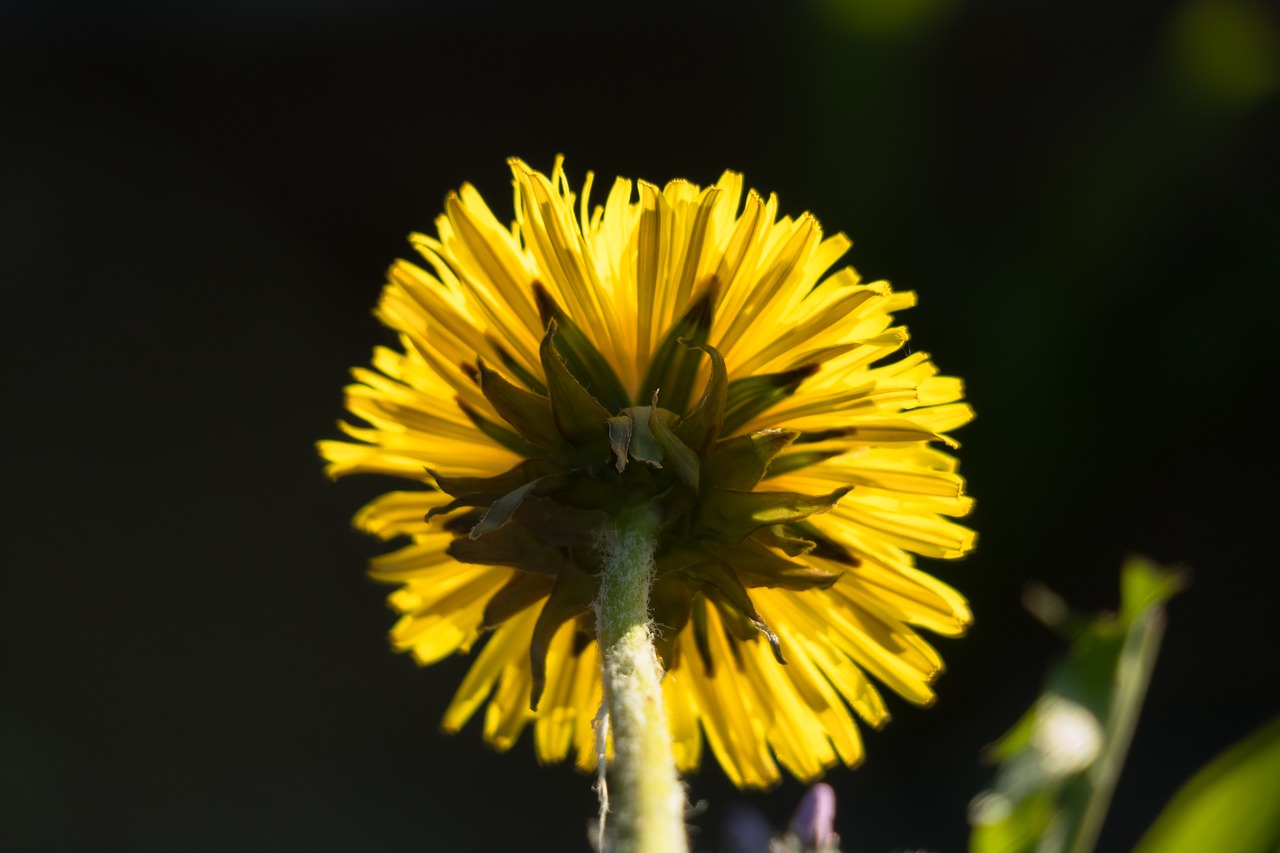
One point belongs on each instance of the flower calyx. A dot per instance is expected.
(593, 455)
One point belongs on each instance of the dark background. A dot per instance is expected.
(198, 204)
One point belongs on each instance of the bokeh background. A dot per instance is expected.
(198, 201)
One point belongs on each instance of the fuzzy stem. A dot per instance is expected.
(646, 798)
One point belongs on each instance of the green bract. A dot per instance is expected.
(594, 455)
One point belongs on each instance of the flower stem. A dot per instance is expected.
(646, 797)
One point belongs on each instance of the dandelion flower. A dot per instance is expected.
(689, 350)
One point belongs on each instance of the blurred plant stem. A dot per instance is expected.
(1145, 625)
(1059, 764)
(645, 799)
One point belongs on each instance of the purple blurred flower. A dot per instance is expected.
(814, 819)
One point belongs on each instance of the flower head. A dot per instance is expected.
(687, 353)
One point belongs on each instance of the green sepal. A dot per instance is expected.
(678, 456)
(751, 395)
(708, 574)
(560, 524)
(673, 507)
(742, 461)
(528, 413)
(515, 546)
(775, 536)
(581, 357)
(701, 641)
(496, 486)
(701, 427)
(588, 492)
(673, 368)
(620, 428)
(584, 633)
(524, 589)
(743, 626)
(670, 601)
(578, 415)
(818, 436)
(461, 524)
(823, 545)
(481, 501)
(756, 566)
(731, 516)
(571, 597)
(643, 447)
(513, 366)
(501, 510)
(507, 438)
(740, 626)
(788, 462)
(881, 432)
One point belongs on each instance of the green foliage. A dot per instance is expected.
(1059, 763)
(1225, 53)
(1230, 806)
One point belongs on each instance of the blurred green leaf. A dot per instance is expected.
(1059, 763)
(1014, 741)
(1143, 584)
(887, 18)
(1145, 588)
(1005, 825)
(1225, 52)
(1230, 806)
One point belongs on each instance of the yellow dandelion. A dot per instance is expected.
(689, 351)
